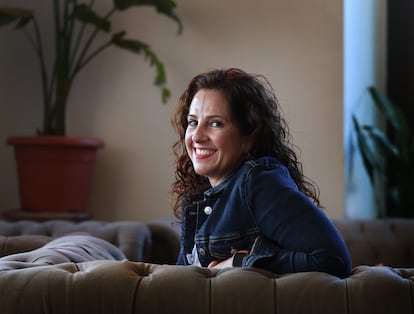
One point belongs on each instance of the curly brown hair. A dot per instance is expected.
(254, 106)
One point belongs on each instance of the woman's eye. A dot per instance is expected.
(192, 122)
(216, 124)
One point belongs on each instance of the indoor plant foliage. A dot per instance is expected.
(55, 170)
(76, 29)
(389, 156)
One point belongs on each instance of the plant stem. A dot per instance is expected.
(59, 83)
(38, 46)
(78, 40)
(91, 56)
(80, 62)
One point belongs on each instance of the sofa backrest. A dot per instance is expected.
(370, 242)
(379, 241)
(133, 238)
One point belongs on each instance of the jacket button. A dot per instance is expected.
(208, 210)
(202, 252)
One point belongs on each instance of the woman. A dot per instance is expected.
(239, 189)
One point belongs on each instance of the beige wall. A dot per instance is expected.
(297, 44)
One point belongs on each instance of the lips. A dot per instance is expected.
(202, 153)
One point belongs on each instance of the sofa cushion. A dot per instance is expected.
(21, 243)
(71, 248)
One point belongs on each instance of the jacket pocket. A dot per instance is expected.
(224, 246)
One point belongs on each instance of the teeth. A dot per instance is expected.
(204, 152)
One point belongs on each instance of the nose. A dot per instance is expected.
(199, 135)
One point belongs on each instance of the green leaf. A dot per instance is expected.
(9, 15)
(381, 141)
(368, 157)
(165, 7)
(137, 46)
(24, 21)
(398, 155)
(85, 14)
(392, 113)
(165, 94)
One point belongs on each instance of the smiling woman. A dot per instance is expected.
(240, 192)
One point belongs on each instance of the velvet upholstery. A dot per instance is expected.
(126, 286)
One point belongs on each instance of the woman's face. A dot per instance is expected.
(213, 140)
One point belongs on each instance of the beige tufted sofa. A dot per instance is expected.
(131, 286)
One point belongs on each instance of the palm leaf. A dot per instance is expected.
(85, 14)
(165, 7)
(9, 15)
(381, 141)
(367, 155)
(393, 159)
(137, 46)
(392, 113)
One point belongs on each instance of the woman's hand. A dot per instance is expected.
(226, 263)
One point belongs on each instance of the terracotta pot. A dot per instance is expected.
(54, 172)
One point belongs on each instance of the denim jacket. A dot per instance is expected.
(260, 209)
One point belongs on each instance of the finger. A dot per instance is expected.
(212, 264)
(244, 251)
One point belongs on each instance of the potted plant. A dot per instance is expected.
(389, 156)
(76, 27)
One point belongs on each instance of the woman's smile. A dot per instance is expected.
(203, 153)
(213, 139)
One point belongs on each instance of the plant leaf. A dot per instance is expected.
(85, 14)
(165, 94)
(165, 7)
(392, 113)
(381, 141)
(368, 157)
(132, 45)
(137, 46)
(9, 15)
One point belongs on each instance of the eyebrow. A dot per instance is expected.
(208, 117)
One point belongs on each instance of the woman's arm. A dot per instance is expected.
(297, 236)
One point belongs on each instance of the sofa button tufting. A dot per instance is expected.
(208, 210)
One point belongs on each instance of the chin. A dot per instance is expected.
(200, 173)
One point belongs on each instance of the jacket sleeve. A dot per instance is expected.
(297, 236)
